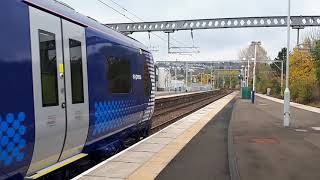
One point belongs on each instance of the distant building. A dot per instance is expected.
(178, 85)
(164, 79)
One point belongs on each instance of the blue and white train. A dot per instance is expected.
(69, 86)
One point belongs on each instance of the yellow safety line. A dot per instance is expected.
(58, 166)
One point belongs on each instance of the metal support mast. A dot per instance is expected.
(281, 78)
(230, 76)
(175, 76)
(254, 70)
(186, 76)
(286, 118)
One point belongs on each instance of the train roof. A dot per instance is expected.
(66, 12)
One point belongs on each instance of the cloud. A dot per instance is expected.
(221, 44)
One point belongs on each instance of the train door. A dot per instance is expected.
(60, 89)
(77, 106)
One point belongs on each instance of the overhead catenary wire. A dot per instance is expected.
(133, 14)
(122, 7)
(136, 16)
(115, 10)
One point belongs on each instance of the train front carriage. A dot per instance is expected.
(69, 86)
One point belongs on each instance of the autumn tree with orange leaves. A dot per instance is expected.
(303, 77)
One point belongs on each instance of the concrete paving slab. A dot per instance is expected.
(115, 170)
(265, 150)
(100, 178)
(167, 135)
(313, 139)
(205, 156)
(134, 157)
(156, 140)
(177, 130)
(148, 148)
(184, 126)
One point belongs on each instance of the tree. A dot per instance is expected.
(312, 43)
(263, 70)
(316, 56)
(313, 35)
(264, 77)
(282, 56)
(302, 76)
(248, 53)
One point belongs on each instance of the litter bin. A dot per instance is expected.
(246, 93)
(268, 91)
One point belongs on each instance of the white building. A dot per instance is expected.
(164, 79)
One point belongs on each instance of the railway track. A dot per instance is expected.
(168, 111)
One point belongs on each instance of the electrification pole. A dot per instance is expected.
(254, 70)
(281, 78)
(211, 78)
(230, 75)
(175, 76)
(218, 82)
(245, 76)
(254, 74)
(286, 108)
(186, 76)
(248, 71)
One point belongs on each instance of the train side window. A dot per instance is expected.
(48, 64)
(119, 76)
(76, 71)
(146, 80)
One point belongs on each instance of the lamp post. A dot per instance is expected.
(286, 108)
(248, 71)
(175, 76)
(230, 75)
(241, 78)
(211, 77)
(282, 79)
(186, 76)
(243, 74)
(254, 70)
(245, 77)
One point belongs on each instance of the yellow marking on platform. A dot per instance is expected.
(152, 168)
(57, 166)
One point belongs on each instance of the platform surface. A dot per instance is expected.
(265, 150)
(146, 159)
(205, 157)
(198, 146)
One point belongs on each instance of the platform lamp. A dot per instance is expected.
(286, 108)
(242, 79)
(255, 44)
(248, 71)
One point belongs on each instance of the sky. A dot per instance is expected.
(218, 44)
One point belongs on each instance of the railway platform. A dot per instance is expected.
(146, 159)
(228, 139)
(263, 149)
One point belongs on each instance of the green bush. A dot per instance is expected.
(301, 92)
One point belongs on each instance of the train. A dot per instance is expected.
(70, 86)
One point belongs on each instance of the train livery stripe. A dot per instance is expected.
(57, 166)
